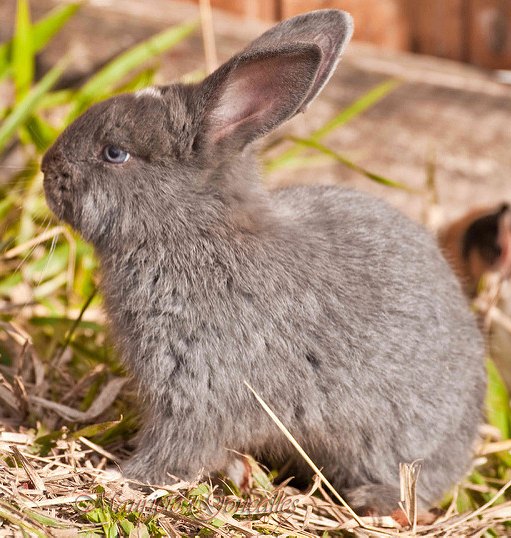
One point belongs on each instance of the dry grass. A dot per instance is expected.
(59, 483)
(68, 490)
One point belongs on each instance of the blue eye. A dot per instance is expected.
(113, 154)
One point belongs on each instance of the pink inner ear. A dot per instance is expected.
(255, 93)
(240, 101)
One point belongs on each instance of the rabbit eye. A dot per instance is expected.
(113, 154)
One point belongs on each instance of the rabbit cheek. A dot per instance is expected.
(95, 217)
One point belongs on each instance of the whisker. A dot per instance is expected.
(15, 191)
(32, 248)
(16, 186)
(42, 214)
(25, 258)
(45, 268)
(35, 135)
(21, 168)
(50, 256)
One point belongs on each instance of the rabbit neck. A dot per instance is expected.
(170, 281)
(245, 206)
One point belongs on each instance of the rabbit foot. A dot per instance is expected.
(150, 472)
(423, 518)
(240, 473)
(374, 500)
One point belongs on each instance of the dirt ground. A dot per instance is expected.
(458, 113)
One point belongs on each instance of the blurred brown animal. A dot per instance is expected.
(477, 243)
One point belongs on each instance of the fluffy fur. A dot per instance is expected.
(338, 310)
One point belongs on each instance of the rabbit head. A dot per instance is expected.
(132, 159)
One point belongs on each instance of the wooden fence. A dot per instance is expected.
(474, 31)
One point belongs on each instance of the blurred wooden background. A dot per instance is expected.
(473, 31)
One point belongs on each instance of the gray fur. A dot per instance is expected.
(338, 310)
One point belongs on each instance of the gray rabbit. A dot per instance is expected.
(338, 310)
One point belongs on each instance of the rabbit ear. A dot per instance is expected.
(256, 91)
(329, 29)
(276, 76)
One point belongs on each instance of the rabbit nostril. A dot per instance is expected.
(63, 187)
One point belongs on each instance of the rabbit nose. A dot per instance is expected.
(56, 171)
(59, 180)
(54, 160)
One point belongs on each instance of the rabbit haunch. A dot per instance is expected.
(338, 310)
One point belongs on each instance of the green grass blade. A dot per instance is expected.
(41, 133)
(5, 57)
(307, 161)
(309, 143)
(22, 51)
(371, 98)
(45, 29)
(13, 515)
(103, 81)
(55, 99)
(46, 520)
(140, 80)
(497, 401)
(42, 32)
(368, 100)
(23, 110)
(94, 429)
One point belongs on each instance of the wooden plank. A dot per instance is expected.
(266, 10)
(489, 33)
(438, 27)
(252, 9)
(477, 31)
(383, 22)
